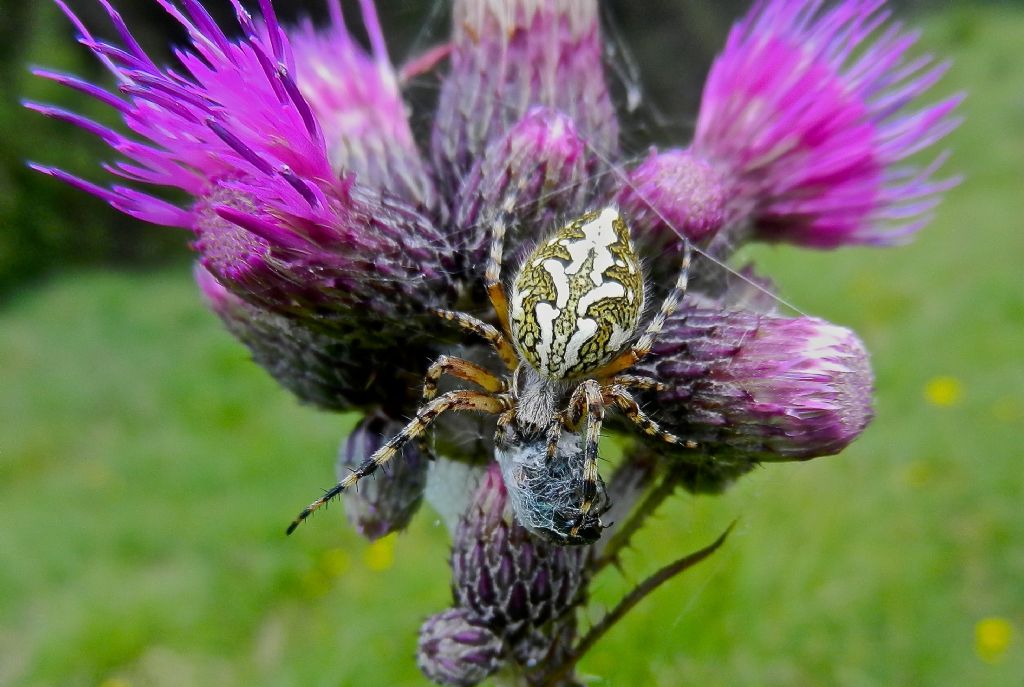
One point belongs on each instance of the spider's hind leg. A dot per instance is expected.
(629, 406)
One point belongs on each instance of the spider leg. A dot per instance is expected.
(625, 401)
(495, 338)
(636, 382)
(588, 396)
(461, 369)
(453, 400)
(505, 421)
(492, 275)
(641, 348)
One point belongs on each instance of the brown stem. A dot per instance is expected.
(628, 602)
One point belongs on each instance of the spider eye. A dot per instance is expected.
(578, 297)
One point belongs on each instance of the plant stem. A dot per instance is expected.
(629, 601)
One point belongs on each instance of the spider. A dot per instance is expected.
(575, 304)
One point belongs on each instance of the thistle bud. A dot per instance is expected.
(387, 502)
(512, 582)
(755, 388)
(672, 193)
(456, 650)
(527, 178)
(508, 57)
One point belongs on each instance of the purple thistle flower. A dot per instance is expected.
(752, 388)
(317, 209)
(812, 115)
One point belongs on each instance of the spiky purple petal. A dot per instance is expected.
(356, 100)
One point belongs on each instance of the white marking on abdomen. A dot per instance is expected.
(546, 315)
(612, 289)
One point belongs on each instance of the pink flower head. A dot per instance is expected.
(813, 114)
(233, 128)
(306, 193)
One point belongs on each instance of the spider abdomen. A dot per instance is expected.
(578, 297)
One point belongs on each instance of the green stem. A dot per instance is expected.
(628, 602)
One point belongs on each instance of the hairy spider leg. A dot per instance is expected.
(629, 406)
(641, 348)
(461, 369)
(636, 382)
(461, 400)
(492, 276)
(587, 398)
(498, 341)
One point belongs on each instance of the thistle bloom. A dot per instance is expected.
(811, 115)
(328, 236)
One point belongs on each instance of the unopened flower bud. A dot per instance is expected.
(512, 581)
(386, 502)
(672, 193)
(527, 178)
(760, 387)
(456, 650)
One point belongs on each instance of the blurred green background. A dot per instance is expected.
(147, 468)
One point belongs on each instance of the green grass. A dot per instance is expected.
(147, 469)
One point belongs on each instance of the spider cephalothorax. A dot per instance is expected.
(576, 302)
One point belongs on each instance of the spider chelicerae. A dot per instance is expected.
(574, 305)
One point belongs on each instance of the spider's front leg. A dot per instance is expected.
(492, 275)
(587, 398)
(498, 341)
(627, 404)
(453, 400)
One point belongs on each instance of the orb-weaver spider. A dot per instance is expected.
(576, 301)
